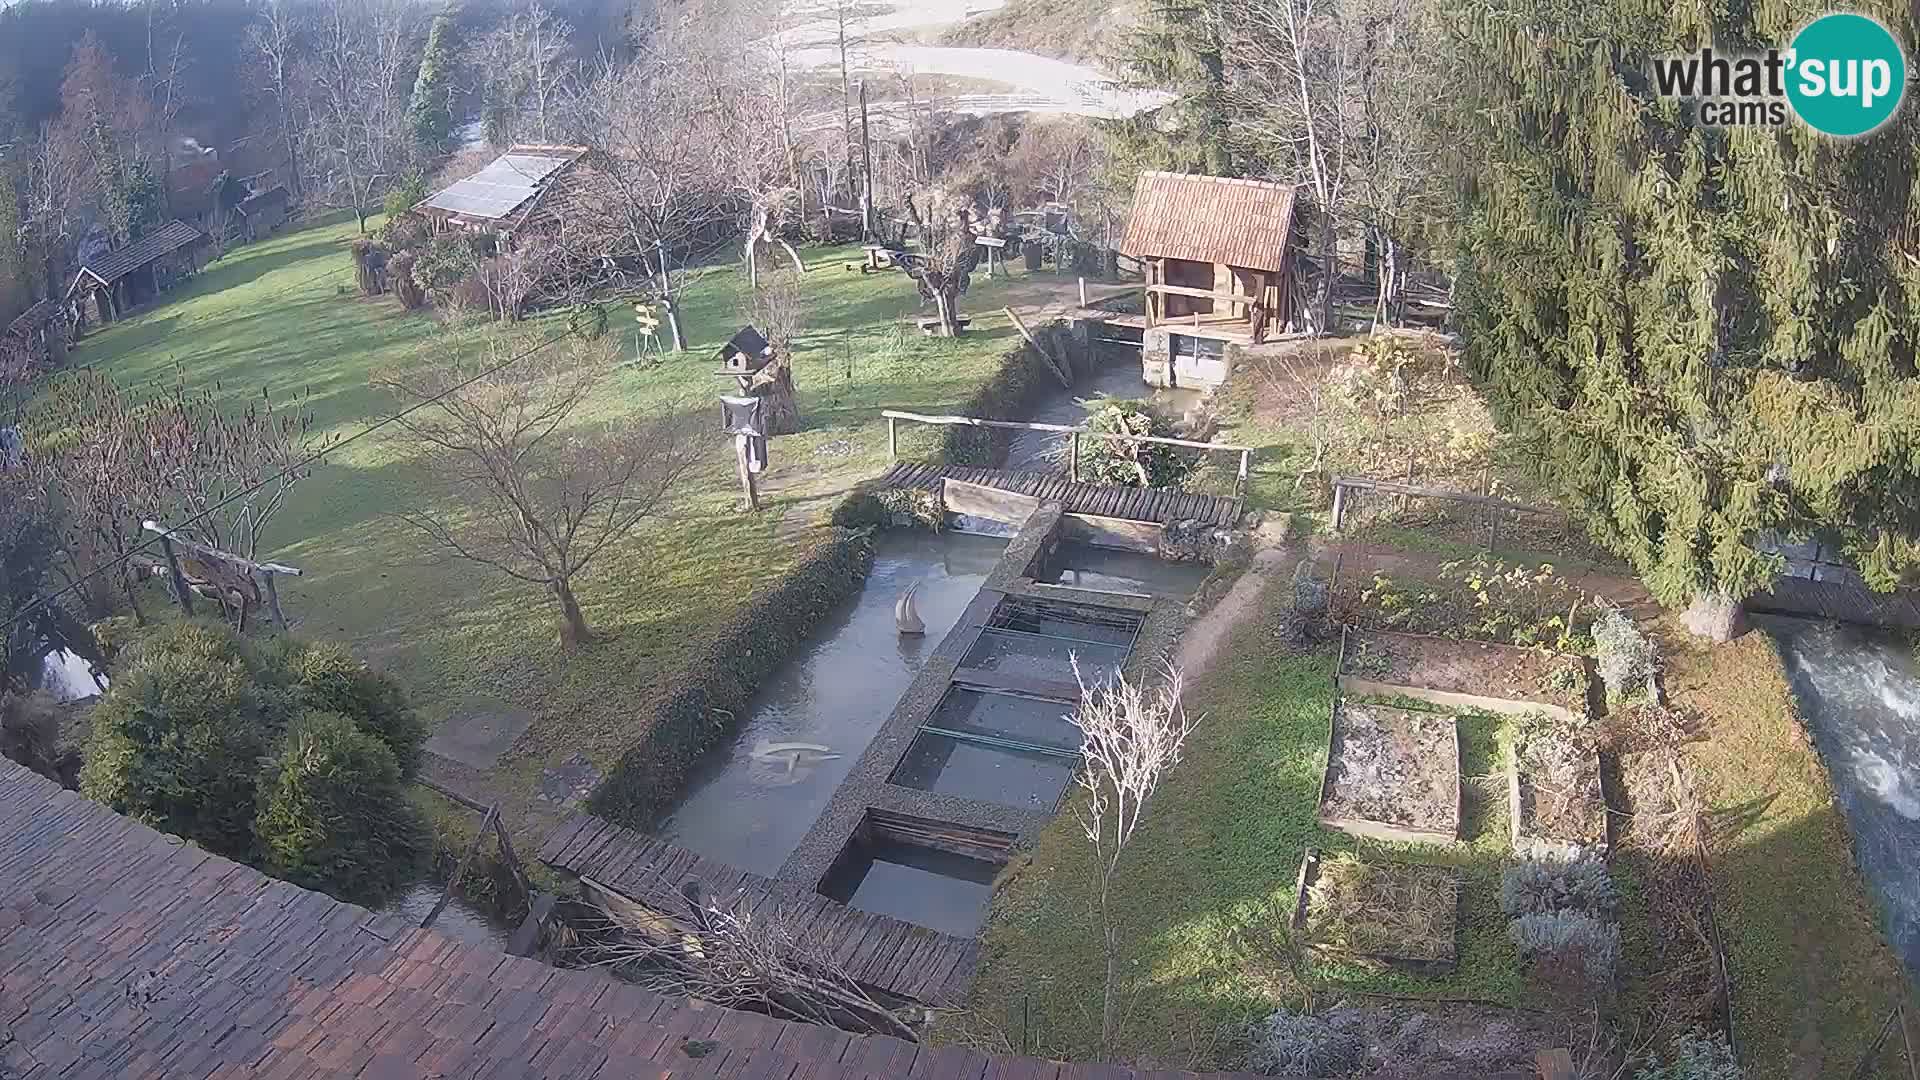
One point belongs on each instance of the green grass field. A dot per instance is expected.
(282, 315)
(1216, 856)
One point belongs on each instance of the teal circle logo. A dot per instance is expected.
(1847, 74)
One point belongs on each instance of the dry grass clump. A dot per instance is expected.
(1391, 909)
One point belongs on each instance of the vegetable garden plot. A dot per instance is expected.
(1470, 674)
(1379, 914)
(1392, 774)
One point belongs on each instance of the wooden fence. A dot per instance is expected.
(1074, 435)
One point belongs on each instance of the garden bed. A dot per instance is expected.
(1555, 798)
(1464, 674)
(1383, 915)
(1392, 774)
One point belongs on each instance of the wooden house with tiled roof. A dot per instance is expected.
(1219, 256)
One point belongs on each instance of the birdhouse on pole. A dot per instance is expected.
(745, 353)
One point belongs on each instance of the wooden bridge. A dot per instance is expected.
(1156, 505)
(877, 950)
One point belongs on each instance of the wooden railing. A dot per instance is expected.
(1074, 435)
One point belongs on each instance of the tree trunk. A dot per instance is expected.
(666, 301)
(1328, 272)
(574, 631)
(773, 385)
(1715, 616)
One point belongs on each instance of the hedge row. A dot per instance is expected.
(713, 693)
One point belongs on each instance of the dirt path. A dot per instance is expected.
(1202, 642)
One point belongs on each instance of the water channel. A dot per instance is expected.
(1113, 377)
(462, 920)
(750, 804)
(1860, 694)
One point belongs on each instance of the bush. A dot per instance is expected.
(406, 195)
(30, 731)
(1625, 656)
(405, 288)
(1300, 1044)
(1569, 947)
(333, 815)
(328, 678)
(1544, 886)
(1697, 1055)
(1130, 464)
(176, 743)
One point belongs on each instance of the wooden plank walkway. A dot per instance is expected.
(1156, 505)
(878, 950)
(127, 954)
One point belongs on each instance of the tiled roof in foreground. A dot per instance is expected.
(126, 953)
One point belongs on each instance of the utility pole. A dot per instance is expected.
(866, 168)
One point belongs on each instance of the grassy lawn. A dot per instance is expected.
(1812, 974)
(282, 315)
(1215, 858)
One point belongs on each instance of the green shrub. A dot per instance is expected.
(1301, 1044)
(327, 677)
(1541, 886)
(176, 743)
(333, 815)
(1006, 396)
(1103, 461)
(406, 194)
(1696, 1055)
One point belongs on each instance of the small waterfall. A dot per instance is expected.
(67, 677)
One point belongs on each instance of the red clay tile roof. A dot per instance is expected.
(1212, 219)
(125, 953)
(161, 242)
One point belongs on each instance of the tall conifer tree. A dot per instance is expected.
(1709, 333)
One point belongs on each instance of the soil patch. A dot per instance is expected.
(1504, 672)
(1392, 774)
(1396, 915)
(1553, 784)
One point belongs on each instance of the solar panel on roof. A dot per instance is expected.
(499, 189)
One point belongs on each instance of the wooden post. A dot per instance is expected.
(1339, 503)
(273, 601)
(893, 437)
(179, 579)
(1073, 456)
(1083, 292)
(740, 452)
(1240, 485)
(460, 871)
(512, 860)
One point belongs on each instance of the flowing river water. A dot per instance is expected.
(1859, 692)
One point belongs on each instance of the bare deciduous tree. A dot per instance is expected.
(1131, 734)
(543, 493)
(525, 64)
(218, 477)
(274, 40)
(362, 49)
(947, 257)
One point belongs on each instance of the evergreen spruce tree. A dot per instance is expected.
(1177, 47)
(1708, 333)
(430, 111)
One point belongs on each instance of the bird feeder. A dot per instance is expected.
(744, 354)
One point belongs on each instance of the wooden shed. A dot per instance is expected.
(1219, 267)
(508, 195)
(262, 212)
(133, 275)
